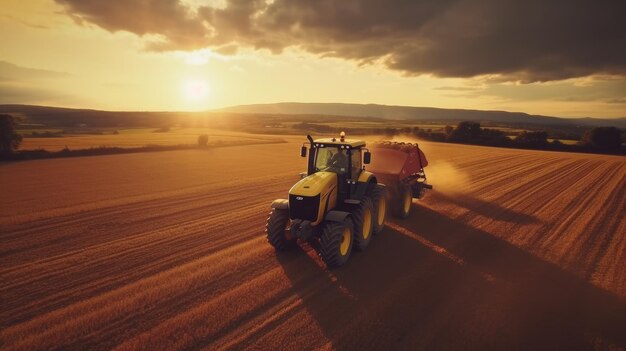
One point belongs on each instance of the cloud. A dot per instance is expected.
(25, 23)
(12, 72)
(23, 93)
(599, 89)
(617, 101)
(167, 19)
(514, 40)
(446, 88)
(23, 85)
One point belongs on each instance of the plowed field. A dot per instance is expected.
(512, 250)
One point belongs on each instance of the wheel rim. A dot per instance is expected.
(407, 202)
(345, 241)
(367, 223)
(382, 208)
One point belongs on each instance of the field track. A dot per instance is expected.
(513, 250)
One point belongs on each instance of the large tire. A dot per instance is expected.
(336, 242)
(402, 206)
(379, 200)
(276, 230)
(363, 218)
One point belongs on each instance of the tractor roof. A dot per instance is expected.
(337, 141)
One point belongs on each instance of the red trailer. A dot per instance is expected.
(400, 166)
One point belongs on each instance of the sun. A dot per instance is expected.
(196, 89)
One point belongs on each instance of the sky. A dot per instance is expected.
(561, 57)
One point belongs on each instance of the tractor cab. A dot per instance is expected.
(342, 156)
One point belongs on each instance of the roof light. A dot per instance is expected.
(342, 136)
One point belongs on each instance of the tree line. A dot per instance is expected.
(598, 139)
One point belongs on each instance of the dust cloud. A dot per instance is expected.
(446, 178)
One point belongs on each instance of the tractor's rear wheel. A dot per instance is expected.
(379, 200)
(363, 218)
(276, 230)
(403, 202)
(336, 242)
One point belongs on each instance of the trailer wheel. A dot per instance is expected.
(404, 202)
(379, 199)
(276, 230)
(336, 242)
(363, 218)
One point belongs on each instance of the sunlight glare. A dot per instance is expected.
(196, 89)
(196, 58)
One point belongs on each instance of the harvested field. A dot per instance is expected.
(514, 249)
(141, 137)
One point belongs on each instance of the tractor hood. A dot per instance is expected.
(313, 196)
(315, 184)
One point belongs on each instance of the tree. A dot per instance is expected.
(466, 132)
(203, 140)
(494, 137)
(532, 139)
(390, 131)
(606, 139)
(556, 143)
(9, 139)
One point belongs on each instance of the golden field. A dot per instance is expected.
(138, 137)
(514, 249)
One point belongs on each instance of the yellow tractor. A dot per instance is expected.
(337, 203)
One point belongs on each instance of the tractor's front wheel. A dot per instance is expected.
(363, 218)
(276, 230)
(336, 242)
(379, 199)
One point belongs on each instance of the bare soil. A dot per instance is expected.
(513, 250)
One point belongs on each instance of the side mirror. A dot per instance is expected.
(303, 151)
(367, 157)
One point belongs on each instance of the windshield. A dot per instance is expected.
(331, 159)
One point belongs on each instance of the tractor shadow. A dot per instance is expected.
(485, 208)
(430, 282)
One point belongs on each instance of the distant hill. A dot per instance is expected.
(426, 114)
(57, 116)
(70, 117)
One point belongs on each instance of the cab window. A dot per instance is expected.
(356, 164)
(331, 159)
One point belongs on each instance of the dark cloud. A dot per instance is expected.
(166, 18)
(524, 40)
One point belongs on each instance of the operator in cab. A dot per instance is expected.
(339, 161)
